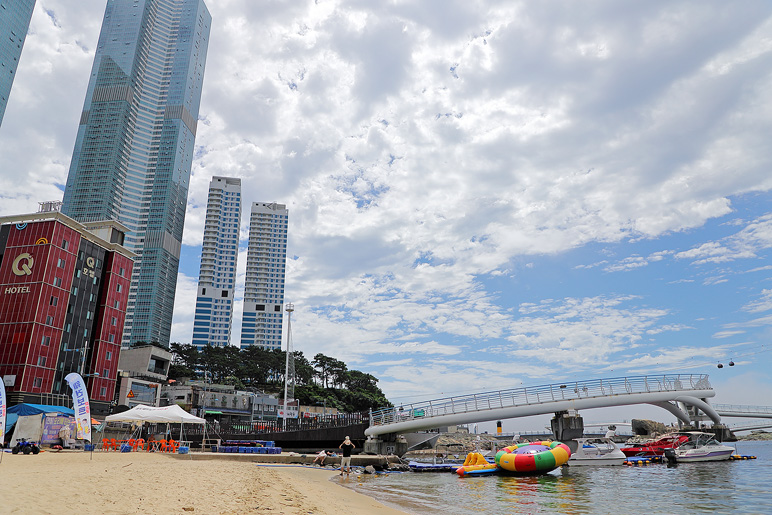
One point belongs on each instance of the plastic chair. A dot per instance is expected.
(172, 446)
(139, 444)
(114, 444)
(105, 444)
(163, 445)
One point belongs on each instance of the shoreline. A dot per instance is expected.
(138, 483)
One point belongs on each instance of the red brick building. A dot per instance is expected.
(64, 287)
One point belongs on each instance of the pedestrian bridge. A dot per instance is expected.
(733, 410)
(682, 394)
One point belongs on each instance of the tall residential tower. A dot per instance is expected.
(134, 146)
(264, 284)
(14, 23)
(219, 255)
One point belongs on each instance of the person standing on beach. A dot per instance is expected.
(345, 461)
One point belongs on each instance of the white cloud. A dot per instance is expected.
(437, 156)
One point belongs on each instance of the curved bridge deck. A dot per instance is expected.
(536, 400)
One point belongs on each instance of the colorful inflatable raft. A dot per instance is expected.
(533, 457)
(525, 459)
(475, 464)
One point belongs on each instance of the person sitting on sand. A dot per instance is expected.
(320, 457)
(345, 461)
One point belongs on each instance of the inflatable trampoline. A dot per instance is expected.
(533, 458)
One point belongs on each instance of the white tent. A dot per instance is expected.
(167, 414)
(170, 414)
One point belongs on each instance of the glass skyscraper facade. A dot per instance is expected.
(261, 324)
(219, 256)
(135, 143)
(14, 23)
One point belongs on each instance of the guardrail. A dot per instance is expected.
(540, 395)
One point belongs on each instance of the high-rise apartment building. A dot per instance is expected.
(134, 146)
(14, 23)
(219, 256)
(264, 283)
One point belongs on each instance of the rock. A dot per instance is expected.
(648, 428)
(369, 469)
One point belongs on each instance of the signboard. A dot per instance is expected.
(80, 405)
(52, 425)
(292, 412)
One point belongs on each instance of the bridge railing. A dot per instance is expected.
(539, 395)
(738, 408)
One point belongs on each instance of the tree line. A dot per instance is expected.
(322, 381)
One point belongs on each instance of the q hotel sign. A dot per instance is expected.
(22, 267)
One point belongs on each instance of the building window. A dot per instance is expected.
(109, 356)
(45, 341)
(120, 271)
(49, 320)
(277, 308)
(54, 300)
(75, 290)
(114, 321)
(118, 287)
(117, 304)
(38, 382)
(111, 338)
(103, 391)
(57, 281)
(105, 373)
(60, 263)
(64, 244)
(41, 361)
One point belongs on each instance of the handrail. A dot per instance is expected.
(737, 408)
(541, 394)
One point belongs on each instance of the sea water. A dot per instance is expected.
(727, 487)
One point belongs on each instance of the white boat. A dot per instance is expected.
(596, 451)
(699, 447)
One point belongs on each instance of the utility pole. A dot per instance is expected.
(289, 308)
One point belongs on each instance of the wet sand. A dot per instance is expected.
(134, 483)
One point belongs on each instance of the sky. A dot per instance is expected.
(482, 194)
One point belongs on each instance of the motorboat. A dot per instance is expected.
(699, 447)
(657, 447)
(596, 451)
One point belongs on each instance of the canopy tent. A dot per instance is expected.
(169, 414)
(24, 410)
(29, 419)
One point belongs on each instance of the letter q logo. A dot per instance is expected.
(22, 265)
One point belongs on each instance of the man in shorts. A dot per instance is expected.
(345, 461)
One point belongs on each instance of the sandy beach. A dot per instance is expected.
(132, 483)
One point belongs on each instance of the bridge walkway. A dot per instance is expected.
(663, 390)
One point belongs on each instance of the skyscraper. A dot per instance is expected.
(264, 284)
(219, 255)
(134, 146)
(14, 23)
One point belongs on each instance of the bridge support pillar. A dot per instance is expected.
(723, 433)
(390, 444)
(567, 427)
